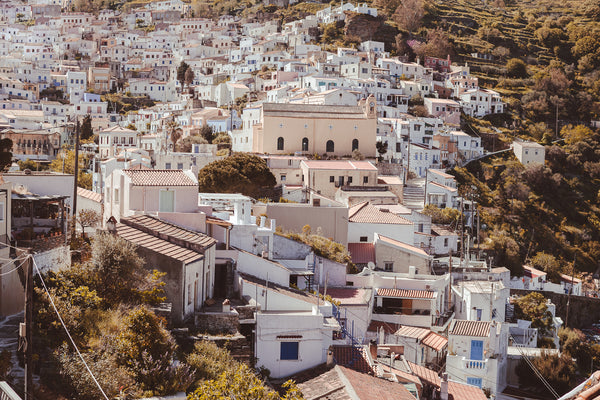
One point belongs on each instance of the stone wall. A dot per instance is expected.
(390, 169)
(218, 322)
(583, 311)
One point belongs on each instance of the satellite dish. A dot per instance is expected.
(371, 265)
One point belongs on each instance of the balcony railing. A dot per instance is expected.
(474, 364)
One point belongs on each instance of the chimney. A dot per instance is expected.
(330, 361)
(373, 349)
(444, 387)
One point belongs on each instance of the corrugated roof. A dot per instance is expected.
(470, 328)
(362, 253)
(157, 245)
(406, 293)
(435, 341)
(159, 177)
(164, 229)
(88, 194)
(412, 332)
(369, 214)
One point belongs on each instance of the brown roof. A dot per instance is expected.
(88, 194)
(157, 245)
(406, 293)
(469, 328)
(413, 332)
(286, 291)
(362, 253)
(435, 341)
(403, 245)
(349, 296)
(341, 383)
(352, 357)
(159, 177)
(388, 327)
(369, 214)
(168, 231)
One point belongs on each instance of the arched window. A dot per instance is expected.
(329, 147)
(305, 144)
(280, 143)
(355, 144)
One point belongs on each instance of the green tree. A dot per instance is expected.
(188, 76)
(185, 144)
(87, 218)
(147, 349)
(533, 307)
(240, 173)
(442, 216)
(28, 164)
(222, 138)
(559, 371)
(516, 68)
(574, 134)
(183, 67)
(549, 264)
(506, 251)
(86, 128)
(66, 163)
(207, 132)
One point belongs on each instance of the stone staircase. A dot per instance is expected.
(413, 194)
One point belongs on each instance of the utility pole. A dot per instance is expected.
(570, 291)
(26, 337)
(462, 229)
(76, 173)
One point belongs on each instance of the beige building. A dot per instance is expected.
(99, 79)
(325, 177)
(309, 128)
(395, 256)
(286, 169)
(330, 219)
(529, 152)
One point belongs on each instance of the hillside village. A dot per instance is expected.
(309, 209)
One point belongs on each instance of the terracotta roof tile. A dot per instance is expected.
(406, 293)
(412, 332)
(369, 214)
(403, 245)
(350, 296)
(88, 194)
(470, 328)
(388, 327)
(157, 245)
(369, 387)
(352, 357)
(362, 253)
(159, 177)
(456, 391)
(162, 229)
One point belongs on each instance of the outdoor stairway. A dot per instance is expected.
(413, 194)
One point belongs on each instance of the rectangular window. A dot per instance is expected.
(446, 242)
(168, 165)
(477, 349)
(179, 165)
(1, 211)
(332, 179)
(388, 266)
(116, 195)
(364, 238)
(349, 180)
(282, 178)
(474, 381)
(365, 179)
(289, 351)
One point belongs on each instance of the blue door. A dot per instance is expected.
(474, 381)
(479, 310)
(477, 350)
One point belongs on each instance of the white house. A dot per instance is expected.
(529, 152)
(481, 102)
(114, 140)
(477, 354)
(365, 221)
(479, 300)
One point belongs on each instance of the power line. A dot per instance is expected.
(67, 330)
(14, 269)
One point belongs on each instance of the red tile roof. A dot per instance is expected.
(406, 293)
(427, 337)
(352, 357)
(88, 194)
(369, 387)
(362, 253)
(403, 245)
(425, 374)
(369, 214)
(456, 391)
(168, 231)
(531, 272)
(157, 245)
(159, 177)
(350, 296)
(469, 328)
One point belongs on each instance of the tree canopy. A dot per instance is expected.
(240, 173)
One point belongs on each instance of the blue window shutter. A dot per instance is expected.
(289, 351)
(477, 350)
(474, 381)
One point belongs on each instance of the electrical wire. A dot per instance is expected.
(67, 330)
(14, 269)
